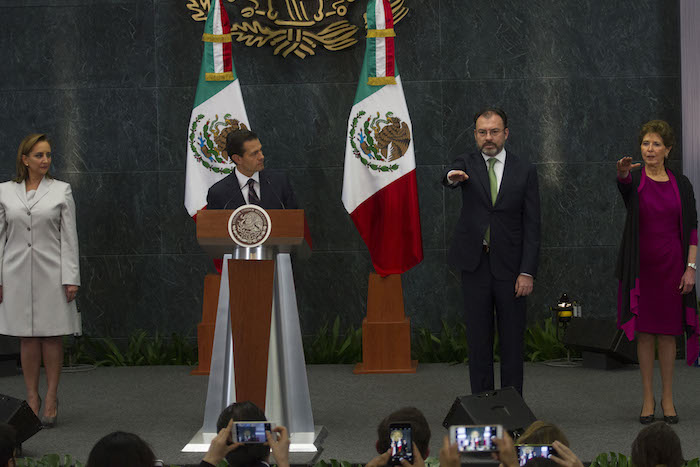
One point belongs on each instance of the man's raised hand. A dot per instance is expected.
(456, 176)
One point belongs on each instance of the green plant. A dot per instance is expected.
(49, 460)
(332, 347)
(450, 346)
(335, 463)
(140, 349)
(77, 350)
(611, 459)
(542, 343)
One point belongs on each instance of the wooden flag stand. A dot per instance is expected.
(205, 329)
(386, 331)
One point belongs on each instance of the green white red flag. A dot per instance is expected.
(218, 109)
(379, 183)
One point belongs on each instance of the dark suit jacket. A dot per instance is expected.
(275, 189)
(514, 219)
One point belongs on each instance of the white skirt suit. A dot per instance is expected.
(38, 256)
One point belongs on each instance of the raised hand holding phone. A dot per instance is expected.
(221, 445)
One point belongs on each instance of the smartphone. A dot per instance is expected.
(401, 443)
(475, 438)
(251, 432)
(525, 452)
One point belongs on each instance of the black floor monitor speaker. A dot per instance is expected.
(600, 336)
(17, 413)
(503, 407)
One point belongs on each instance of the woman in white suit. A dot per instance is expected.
(39, 269)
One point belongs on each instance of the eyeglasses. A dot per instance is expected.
(494, 132)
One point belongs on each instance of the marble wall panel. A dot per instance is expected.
(174, 111)
(120, 294)
(431, 205)
(428, 291)
(453, 206)
(69, 45)
(178, 44)
(581, 205)
(319, 194)
(555, 120)
(300, 125)
(182, 282)
(418, 46)
(178, 230)
(424, 101)
(331, 284)
(117, 213)
(549, 38)
(92, 130)
(178, 41)
(114, 84)
(587, 274)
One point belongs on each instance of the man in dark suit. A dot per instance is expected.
(250, 183)
(496, 247)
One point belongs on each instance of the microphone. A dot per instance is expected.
(275, 193)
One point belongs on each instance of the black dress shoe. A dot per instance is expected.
(670, 419)
(648, 419)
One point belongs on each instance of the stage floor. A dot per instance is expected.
(598, 410)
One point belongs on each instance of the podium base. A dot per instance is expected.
(305, 448)
(362, 369)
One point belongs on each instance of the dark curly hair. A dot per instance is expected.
(119, 449)
(655, 445)
(489, 111)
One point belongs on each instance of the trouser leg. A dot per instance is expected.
(511, 318)
(478, 312)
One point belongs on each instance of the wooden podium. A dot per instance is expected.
(257, 352)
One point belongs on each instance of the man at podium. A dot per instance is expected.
(249, 183)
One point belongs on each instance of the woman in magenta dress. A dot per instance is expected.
(656, 264)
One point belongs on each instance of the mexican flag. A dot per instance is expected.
(379, 183)
(218, 110)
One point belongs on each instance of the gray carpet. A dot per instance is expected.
(597, 410)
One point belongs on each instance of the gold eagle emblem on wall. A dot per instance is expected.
(295, 27)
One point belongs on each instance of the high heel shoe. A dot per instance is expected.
(670, 419)
(38, 410)
(647, 419)
(50, 422)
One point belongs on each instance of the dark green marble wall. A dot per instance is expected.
(113, 82)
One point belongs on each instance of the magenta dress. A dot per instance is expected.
(661, 262)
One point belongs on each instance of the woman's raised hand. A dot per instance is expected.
(624, 166)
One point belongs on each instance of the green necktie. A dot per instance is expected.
(493, 183)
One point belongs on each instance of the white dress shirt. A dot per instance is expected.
(243, 183)
(497, 168)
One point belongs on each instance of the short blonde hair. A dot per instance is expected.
(541, 432)
(24, 148)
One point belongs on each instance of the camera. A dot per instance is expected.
(251, 432)
(475, 438)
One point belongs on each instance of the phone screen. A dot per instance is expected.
(476, 438)
(401, 443)
(251, 432)
(530, 451)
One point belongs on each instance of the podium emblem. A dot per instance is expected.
(249, 226)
